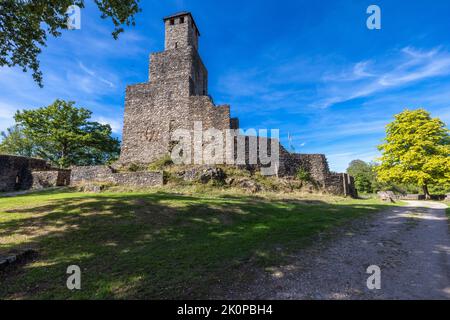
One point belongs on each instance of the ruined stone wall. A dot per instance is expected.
(105, 174)
(252, 143)
(15, 172)
(22, 173)
(315, 164)
(340, 184)
(202, 109)
(86, 174)
(139, 179)
(52, 178)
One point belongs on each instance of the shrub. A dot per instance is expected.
(161, 163)
(134, 167)
(303, 175)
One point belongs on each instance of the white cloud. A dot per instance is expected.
(18, 91)
(319, 82)
(410, 67)
(116, 125)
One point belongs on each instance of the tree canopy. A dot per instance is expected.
(416, 150)
(364, 175)
(62, 134)
(15, 142)
(24, 26)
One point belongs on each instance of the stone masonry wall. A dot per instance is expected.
(22, 173)
(340, 184)
(15, 172)
(53, 178)
(181, 31)
(105, 174)
(315, 164)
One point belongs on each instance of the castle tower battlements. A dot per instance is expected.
(180, 31)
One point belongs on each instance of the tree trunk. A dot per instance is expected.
(426, 192)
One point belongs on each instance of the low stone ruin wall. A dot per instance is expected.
(340, 184)
(22, 173)
(391, 196)
(317, 166)
(139, 179)
(105, 174)
(411, 197)
(53, 178)
(88, 174)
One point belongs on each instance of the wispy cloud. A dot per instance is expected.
(322, 82)
(96, 76)
(408, 66)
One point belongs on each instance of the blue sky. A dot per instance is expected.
(309, 68)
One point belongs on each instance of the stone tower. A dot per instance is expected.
(175, 96)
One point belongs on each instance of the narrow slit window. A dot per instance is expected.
(172, 22)
(182, 20)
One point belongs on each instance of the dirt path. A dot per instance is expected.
(410, 244)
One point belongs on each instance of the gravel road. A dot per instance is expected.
(410, 244)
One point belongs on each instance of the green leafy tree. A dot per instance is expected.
(363, 174)
(398, 188)
(15, 142)
(63, 134)
(25, 25)
(416, 151)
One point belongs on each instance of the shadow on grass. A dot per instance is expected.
(159, 245)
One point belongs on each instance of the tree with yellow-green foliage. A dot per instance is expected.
(416, 151)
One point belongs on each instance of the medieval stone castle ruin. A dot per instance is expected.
(175, 98)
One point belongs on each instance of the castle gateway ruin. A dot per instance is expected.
(176, 98)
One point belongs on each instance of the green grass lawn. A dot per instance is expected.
(157, 244)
